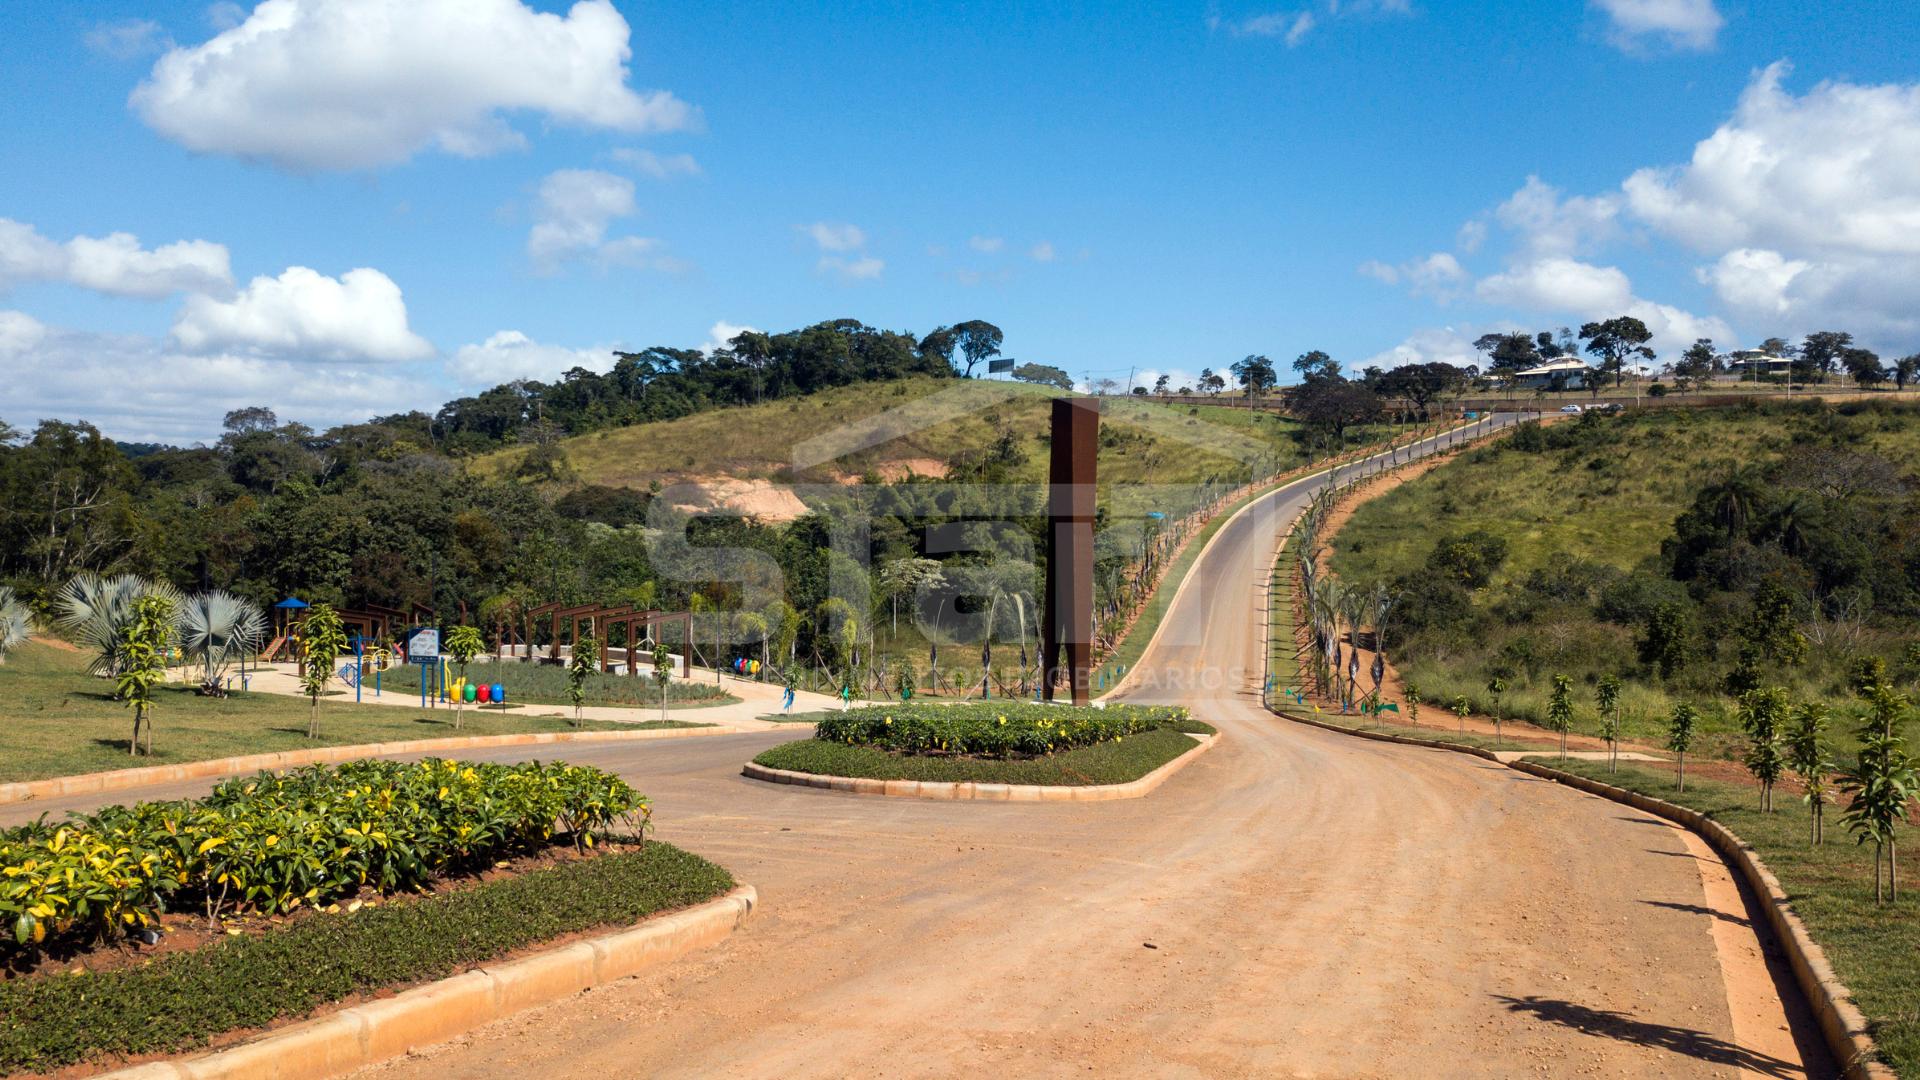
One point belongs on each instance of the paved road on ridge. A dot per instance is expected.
(1294, 903)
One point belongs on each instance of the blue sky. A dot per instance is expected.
(337, 219)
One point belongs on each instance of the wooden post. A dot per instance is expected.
(1070, 513)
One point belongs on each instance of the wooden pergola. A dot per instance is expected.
(602, 618)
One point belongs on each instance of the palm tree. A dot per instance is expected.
(98, 610)
(14, 624)
(219, 627)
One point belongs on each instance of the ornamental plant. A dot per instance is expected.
(463, 644)
(322, 640)
(996, 730)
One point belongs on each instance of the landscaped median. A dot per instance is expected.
(165, 927)
(991, 750)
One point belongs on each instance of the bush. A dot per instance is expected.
(1468, 560)
(182, 1000)
(992, 729)
(272, 843)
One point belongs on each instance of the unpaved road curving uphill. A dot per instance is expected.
(1294, 903)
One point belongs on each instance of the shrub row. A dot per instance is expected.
(992, 729)
(183, 1000)
(269, 843)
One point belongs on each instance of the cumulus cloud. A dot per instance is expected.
(1550, 224)
(722, 335)
(127, 38)
(313, 85)
(1442, 344)
(135, 388)
(303, 314)
(1042, 252)
(114, 264)
(657, 166)
(1439, 275)
(1680, 24)
(835, 236)
(19, 332)
(509, 355)
(1560, 284)
(574, 209)
(861, 268)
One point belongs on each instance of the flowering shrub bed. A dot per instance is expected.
(994, 729)
(268, 844)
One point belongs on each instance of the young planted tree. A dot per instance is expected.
(144, 642)
(1495, 687)
(1413, 704)
(322, 640)
(1680, 727)
(1881, 784)
(1461, 707)
(1560, 710)
(586, 658)
(1608, 698)
(463, 644)
(1807, 757)
(1763, 714)
(662, 675)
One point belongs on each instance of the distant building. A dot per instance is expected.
(1748, 361)
(1567, 372)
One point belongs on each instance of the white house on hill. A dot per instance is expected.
(1749, 360)
(1567, 372)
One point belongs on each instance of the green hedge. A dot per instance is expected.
(992, 729)
(1115, 762)
(270, 843)
(183, 1000)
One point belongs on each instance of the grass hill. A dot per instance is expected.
(920, 425)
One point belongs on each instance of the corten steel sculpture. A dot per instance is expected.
(1070, 509)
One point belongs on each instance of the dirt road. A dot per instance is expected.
(1295, 903)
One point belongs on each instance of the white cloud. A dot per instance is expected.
(1439, 275)
(509, 355)
(575, 207)
(1293, 26)
(831, 236)
(1551, 225)
(115, 264)
(225, 15)
(1042, 252)
(722, 335)
(127, 38)
(986, 244)
(1754, 280)
(1472, 234)
(1559, 284)
(1444, 344)
(349, 84)
(19, 332)
(862, 268)
(134, 388)
(303, 314)
(1681, 24)
(657, 166)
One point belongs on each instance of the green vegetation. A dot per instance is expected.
(1871, 945)
(992, 729)
(1696, 553)
(268, 844)
(1112, 762)
(183, 1000)
(60, 721)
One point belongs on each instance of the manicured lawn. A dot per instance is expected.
(1115, 762)
(813, 717)
(1874, 949)
(183, 1000)
(56, 720)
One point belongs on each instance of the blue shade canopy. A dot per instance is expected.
(291, 602)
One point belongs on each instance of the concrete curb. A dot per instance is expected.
(121, 779)
(362, 1035)
(950, 792)
(1841, 1022)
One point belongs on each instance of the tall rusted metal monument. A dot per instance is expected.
(1070, 511)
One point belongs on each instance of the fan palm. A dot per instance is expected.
(97, 610)
(218, 627)
(13, 622)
